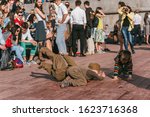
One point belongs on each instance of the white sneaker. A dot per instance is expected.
(33, 62)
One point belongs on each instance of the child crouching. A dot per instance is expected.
(123, 65)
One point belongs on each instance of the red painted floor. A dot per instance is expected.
(33, 83)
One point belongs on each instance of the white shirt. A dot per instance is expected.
(137, 19)
(78, 16)
(2, 41)
(62, 9)
(27, 36)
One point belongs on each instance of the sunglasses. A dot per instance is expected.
(18, 30)
(20, 15)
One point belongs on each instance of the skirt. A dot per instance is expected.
(40, 33)
(99, 36)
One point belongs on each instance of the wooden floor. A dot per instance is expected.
(33, 83)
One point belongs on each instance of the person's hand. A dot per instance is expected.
(2, 47)
(103, 74)
(33, 42)
(60, 21)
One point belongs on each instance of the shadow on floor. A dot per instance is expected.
(42, 75)
(142, 48)
(139, 81)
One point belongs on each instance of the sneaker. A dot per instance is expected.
(33, 62)
(28, 63)
(100, 52)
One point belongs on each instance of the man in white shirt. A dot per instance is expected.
(78, 24)
(28, 42)
(61, 26)
(137, 28)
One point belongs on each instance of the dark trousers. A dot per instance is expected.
(78, 33)
(137, 34)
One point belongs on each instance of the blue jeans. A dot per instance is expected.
(127, 37)
(60, 39)
(19, 50)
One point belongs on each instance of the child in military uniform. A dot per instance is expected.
(79, 77)
(64, 69)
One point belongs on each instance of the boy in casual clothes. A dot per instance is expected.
(123, 65)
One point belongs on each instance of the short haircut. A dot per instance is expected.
(78, 2)
(121, 3)
(25, 25)
(87, 3)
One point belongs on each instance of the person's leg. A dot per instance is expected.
(32, 51)
(23, 45)
(147, 39)
(82, 39)
(139, 35)
(60, 39)
(125, 37)
(18, 50)
(74, 39)
(130, 41)
(77, 78)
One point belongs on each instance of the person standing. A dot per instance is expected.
(78, 24)
(127, 25)
(88, 31)
(137, 28)
(40, 33)
(61, 20)
(147, 27)
(119, 33)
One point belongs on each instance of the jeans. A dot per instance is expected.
(18, 50)
(127, 37)
(60, 39)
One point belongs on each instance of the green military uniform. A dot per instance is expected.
(59, 66)
(64, 69)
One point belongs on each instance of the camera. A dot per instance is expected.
(125, 9)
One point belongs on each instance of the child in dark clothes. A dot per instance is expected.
(123, 65)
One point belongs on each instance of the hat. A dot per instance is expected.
(94, 66)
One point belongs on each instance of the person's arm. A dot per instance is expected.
(120, 10)
(71, 21)
(31, 40)
(85, 20)
(49, 35)
(93, 75)
(65, 14)
(130, 16)
(2, 47)
(40, 13)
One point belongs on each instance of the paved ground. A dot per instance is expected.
(33, 83)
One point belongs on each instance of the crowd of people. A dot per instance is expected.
(62, 29)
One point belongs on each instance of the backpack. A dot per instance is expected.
(17, 63)
(5, 60)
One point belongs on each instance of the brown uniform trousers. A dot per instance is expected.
(80, 77)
